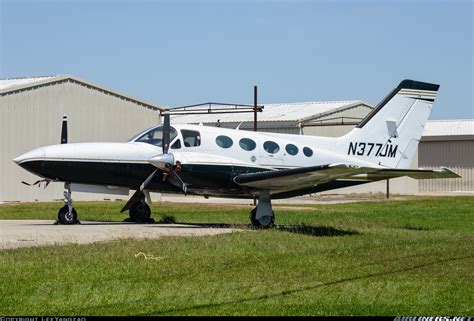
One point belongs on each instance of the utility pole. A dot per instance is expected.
(254, 122)
(388, 188)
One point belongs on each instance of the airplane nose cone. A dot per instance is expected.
(35, 154)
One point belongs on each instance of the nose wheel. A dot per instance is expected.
(67, 214)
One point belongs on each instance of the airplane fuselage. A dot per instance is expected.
(210, 156)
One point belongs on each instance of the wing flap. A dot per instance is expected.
(289, 179)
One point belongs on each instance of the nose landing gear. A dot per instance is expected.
(67, 214)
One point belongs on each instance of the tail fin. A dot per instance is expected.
(390, 133)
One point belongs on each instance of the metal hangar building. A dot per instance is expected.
(325, 118)
(31, 111)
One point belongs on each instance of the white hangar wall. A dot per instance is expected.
(31, 116)
(450, 144)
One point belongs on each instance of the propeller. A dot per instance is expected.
(165, 162)
(64, 130)
(166, 132)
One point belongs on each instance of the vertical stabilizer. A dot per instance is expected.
(390, 134)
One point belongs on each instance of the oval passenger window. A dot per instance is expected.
(224, 141)
(271, 147)
(247, 144)
(308, 151)
(291, 149)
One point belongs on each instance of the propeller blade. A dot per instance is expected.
(64, 130)
(166, 132)
(180, 182)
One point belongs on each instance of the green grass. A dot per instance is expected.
(410, 257)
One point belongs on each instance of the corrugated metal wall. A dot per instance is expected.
(457, 155)
(281, 127)
(332, 124)
(328, 131)
(32, 118)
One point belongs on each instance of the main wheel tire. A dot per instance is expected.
(264, 222)
(140, 212)
(67, 217)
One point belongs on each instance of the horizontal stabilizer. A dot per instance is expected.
(413, 173)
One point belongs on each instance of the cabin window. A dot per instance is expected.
(191, 138)
(247, 144)
(291, 149)
(176, 144)
(271, 147)
(224, 141)
(155, 136)
(308, 151)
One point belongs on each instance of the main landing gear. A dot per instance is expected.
(262, 216)
(138, 209)
(140, 212)
(67, 214)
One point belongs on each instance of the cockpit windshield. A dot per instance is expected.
(154, 136)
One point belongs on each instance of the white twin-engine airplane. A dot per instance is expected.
(213, 161)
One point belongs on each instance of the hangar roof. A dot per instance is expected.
(274, 112)
(10, 83)
(455, 127)
(16, 85)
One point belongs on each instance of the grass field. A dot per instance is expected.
(412, 257)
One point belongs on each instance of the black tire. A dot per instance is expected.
(140, 212)
(270, 222)
(65, 217)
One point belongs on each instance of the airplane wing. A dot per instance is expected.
(304, 177)
(295, 178)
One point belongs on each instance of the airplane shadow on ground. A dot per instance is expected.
(319, 231)
(315, 230)
(297, 229)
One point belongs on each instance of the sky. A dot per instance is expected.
(177, 53)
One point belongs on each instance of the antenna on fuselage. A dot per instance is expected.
(238, 126)
(301, 129)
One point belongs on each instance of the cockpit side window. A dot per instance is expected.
(191, 138)
(176, 144)
(155, 136)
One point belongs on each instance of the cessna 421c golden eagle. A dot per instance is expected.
(213, 161)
